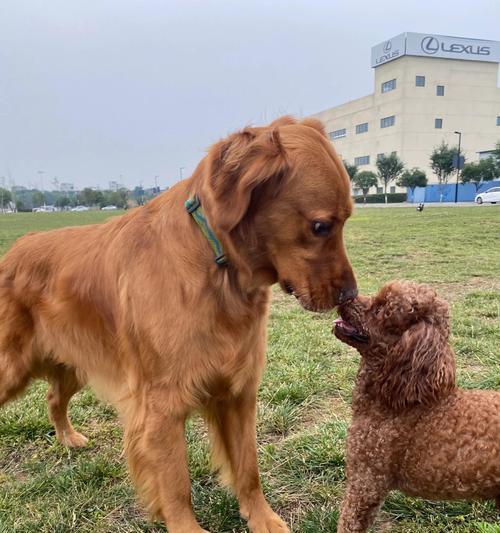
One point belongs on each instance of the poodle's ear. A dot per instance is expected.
(236, 167)
(419, 369)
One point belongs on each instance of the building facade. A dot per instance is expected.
(427, 87)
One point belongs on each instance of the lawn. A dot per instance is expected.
(304, 405)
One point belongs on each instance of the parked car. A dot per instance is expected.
(44, 209)
(491, 195)
(108, 207)
(80, 208)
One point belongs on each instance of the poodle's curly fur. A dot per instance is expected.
(413, 429)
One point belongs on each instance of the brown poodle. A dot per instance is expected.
(413, 429)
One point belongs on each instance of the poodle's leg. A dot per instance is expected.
(364, 496)
(63, 384)
(155, 447)
(233, 435)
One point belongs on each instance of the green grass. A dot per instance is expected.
(304, 402)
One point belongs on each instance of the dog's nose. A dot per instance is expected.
(347, 293)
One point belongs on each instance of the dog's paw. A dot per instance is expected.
(72, 439)
(270, 523)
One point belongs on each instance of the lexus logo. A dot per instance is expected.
(429, 45)
(387, 46)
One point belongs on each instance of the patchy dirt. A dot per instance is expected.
(457, 290)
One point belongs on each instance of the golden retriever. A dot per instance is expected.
(137, 307)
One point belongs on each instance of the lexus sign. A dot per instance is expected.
(427, 45)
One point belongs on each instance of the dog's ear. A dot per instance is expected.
(315, 124)
(237, 166)
(419, 369)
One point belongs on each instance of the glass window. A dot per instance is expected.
(420, 81)
(380, 190)
(362, 128)
(438, 123)
(388, 85)
(387, 121)
(362, 160)
(498, 121)
(440, 90)
(392, 189)
(380, 156)
(338, 134)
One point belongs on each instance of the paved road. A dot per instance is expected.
(429, 205)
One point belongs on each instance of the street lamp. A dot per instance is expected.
(459, 133)
(41, 173)
(180, 171)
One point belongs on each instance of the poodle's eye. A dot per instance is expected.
(320, 228)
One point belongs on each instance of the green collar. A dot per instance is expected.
(193, 207)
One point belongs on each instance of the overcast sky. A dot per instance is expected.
(100, 90)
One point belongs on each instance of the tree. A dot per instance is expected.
(138, 195)
(496, 157)
(5, 197)
(352, 170)
(89, 197)
(412, 178)
(477, 173)
(38, 199)
(441, 161)
(389, 169)
(364, 180)
(62, 201)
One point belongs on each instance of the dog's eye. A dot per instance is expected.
(321, 229)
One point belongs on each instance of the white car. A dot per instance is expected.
(108, 208)
(80, 208)
(44, 209)
(491, 195)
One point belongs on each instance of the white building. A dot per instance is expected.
(427, 87)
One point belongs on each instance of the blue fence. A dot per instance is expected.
(446, 193)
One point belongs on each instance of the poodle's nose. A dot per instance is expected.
(347, 294)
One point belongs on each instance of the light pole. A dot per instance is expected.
(156, 185)
(40, 173)
(180, 171)
(459, 133)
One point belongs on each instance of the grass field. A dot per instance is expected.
(304, 403)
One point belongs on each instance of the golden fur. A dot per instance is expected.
(412, 428)
(137, 307)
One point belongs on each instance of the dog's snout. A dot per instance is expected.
(347, 294)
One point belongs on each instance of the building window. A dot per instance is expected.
(438, 123)
(362, 128)
(440, 90)
(394, 153)
(498, 121)
(387, 121)
(380, 190)
(362, 160)
(388, 85)
(392, 190)
(420, 81)
(380, 156)
(338, 134)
